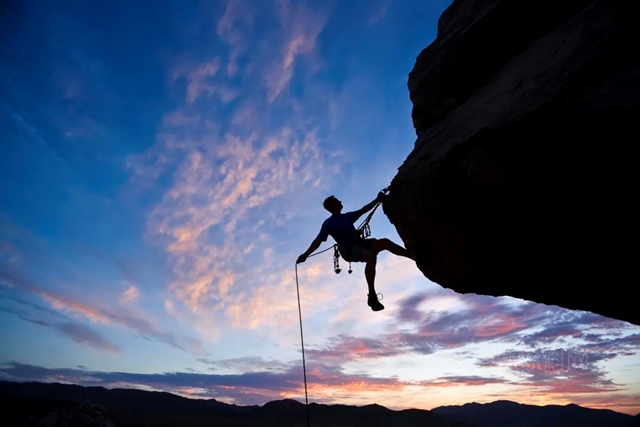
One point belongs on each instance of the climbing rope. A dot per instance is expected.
(363, 231)
(304, 363)
(304, 366)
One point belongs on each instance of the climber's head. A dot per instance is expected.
(332, 204)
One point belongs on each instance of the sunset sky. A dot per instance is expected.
(163, 165)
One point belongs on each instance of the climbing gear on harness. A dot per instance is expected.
(363, 232)
(336, 256)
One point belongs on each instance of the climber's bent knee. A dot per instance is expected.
(381, 244)
(362, 251)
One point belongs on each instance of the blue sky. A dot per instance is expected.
(164, 166)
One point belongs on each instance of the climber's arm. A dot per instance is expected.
(366, 208)
(314, 245)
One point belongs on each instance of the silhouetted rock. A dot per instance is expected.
(522, 178)
(88, 414)
(291, 412)
(129, 408)
(508, 414)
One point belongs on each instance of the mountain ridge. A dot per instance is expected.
(131, 407)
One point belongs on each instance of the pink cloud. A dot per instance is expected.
(466, 380)
(234, 27)
(100, 314)
(131, 294)
(301, 28)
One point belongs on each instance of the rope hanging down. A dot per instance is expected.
(304, 367)
(363, 232)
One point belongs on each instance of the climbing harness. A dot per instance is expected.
(363, 231)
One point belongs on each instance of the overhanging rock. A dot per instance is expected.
(522, 179)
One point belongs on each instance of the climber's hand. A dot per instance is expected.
(302, 258)
(381, 196)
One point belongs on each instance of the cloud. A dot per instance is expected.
(99, 314)
(463, 380)
(408, 311)
(23, 316)
(234, 27)
(379, 15)
(301, 29)
(84, 335)
(554, 373)
(246, 364)
(201, 82)
(234, 170)
(79, 333)
(225, 188)
(605, 344)
(552, 334)
(342, 348)
(39, 308)
(246, 388)
(197, 84)
(575, 369)
(328, 384)
(131, 294)
(424, 328)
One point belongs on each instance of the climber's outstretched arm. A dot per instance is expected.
(314, 245)
(366, 208)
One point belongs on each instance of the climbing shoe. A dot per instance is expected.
(372, 301)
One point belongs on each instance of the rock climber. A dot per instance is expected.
(352, 246)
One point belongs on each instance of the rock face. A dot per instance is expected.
(522, 179)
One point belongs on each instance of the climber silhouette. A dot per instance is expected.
(352, 247)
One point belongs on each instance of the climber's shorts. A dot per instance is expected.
(357, 250)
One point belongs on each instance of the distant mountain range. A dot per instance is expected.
(504, 413)
(128, 408)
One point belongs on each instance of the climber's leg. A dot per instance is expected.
(380, 245)
(362, 252)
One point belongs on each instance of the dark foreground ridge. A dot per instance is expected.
(29, 404)
(522, 179)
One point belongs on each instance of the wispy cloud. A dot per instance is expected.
(84, 335)
(527, 328)
(234, 27)
(231, 182)
(47, 318)
(246, 364)
(463, 380)
(378, 16)
(201, 82)
(131, 294)
(301, 30)
(246, 388)
(98, 314)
